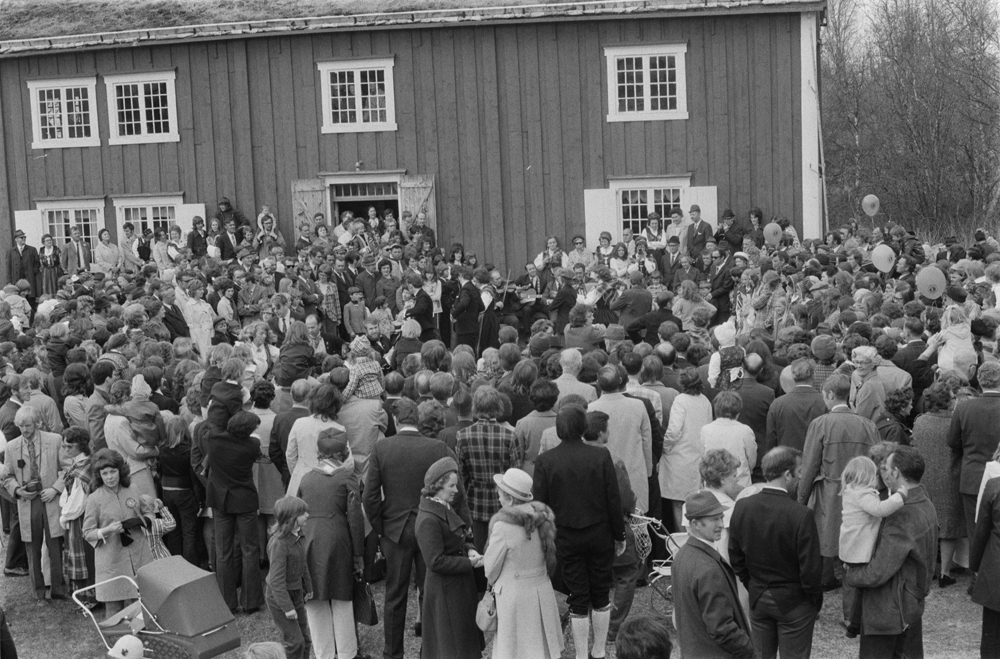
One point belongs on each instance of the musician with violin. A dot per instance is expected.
(532, 291)
(510, 305)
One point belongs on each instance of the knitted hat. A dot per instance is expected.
(139, 387)
(538, 345)
(824, 347)
(726, 333)
(439, 469)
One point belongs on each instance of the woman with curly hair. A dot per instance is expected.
(431, 418)
(891, 422)
(523, 542)
(683, 446)
(111, 524)
(266, 477)
(198, 314)
(324, 405)
(581, 332)
(77, 387)
(688, 301)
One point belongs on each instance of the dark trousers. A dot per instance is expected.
(625, 578)
(294, 633)
(17, 556)
(399, 560)
(480, 534)
(789, 633)
(908, 645)
(183, 540)
(40, 535)
(585, 559)
(989, 645)
(470, 339)
(429, 334)
(230, 528)
(969, 508)
(7, 649)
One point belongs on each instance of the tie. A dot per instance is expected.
(32, 459)
(282, 323)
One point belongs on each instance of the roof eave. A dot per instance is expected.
(588, 10)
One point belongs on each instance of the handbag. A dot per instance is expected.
(486, 612)
(364, 604)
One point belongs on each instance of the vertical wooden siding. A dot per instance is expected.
(510, 120)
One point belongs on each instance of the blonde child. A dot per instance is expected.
(382, 314)
(160, 522)
(289, 584)
(863, 510)
(355, 313)
(862, 513)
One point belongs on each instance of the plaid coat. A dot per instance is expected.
(74, 558)
(485, 448)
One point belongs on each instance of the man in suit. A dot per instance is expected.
(75, 256)
(698, 234)
(671, 260)
(908, 357)
(23, 263)
(422, 310)
(789, 417)
(774, 550)
(537, 309)
(897, 580)
(832, 440)
(722, 285)
(564, 300)
(283, 317)
(282, 425)
(731, 231)
(31, 475)
(229, 241)
(973, 437)
(635, 302)
(757, 398)
(647, 326)
(629, 432)
(467, 308)
(311, 297)
(367, 279)
(173, 317)
(396, 469)
(461, 405)
(708, 615)
(344, 279)
(232, 495)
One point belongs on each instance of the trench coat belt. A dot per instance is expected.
(532, 574)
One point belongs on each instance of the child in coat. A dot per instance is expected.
(288, 581)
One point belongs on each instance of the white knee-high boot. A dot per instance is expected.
(581, 635)
(601, 621)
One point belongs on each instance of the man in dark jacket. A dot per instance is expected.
(282, 425)
(24, 264)
(423, 308)
(757, 398)
(722, 285)
(466, 310)
(650, 322)
(774, 550)
(973, 437)
(173, 317)
(564, 300)
(707, 611)
(233, 497)
(396, 468)
(984, 557)
(789, 416)
(896, 581)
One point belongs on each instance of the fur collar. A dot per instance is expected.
(533, 516)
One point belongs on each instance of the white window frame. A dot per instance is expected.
(147, 203)
(59, 238)
(357, 65)
(169, 77)
(330, 180)
(62, 84)
(649, 185)
(614, 53)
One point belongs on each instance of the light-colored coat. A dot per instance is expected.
(630, 440)
(831, 441)
(111, 559)
(682, 446)
(738, 439)
(49, 473)
(527, 613)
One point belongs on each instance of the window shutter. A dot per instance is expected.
(600, 214)
(31, 223)
(184, 216)
(308, 198)
(707, 198)
(416, 193)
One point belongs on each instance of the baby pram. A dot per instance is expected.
(180, 613)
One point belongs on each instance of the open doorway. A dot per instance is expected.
(359, 197)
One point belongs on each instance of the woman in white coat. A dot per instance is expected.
(682, 445)
(729, 434)
(519, 561)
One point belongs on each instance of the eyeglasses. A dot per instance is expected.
(578, 243)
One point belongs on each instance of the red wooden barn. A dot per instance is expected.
(506, 124)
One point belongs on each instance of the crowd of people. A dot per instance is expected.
(305, 417)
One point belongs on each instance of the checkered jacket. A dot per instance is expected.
(485, 448)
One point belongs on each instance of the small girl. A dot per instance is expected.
(407, 299)
(143, 416)
(863, 512)
(383, 315)
(288, 581)
(159, 522)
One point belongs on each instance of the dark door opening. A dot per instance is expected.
(360, 207)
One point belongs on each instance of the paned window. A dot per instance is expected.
(142, 108)
(60, 217)
(62, 113)
(153, 213)
(635, 199)
(357, 96)
(646, 83)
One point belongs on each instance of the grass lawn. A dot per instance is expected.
(58, 630)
